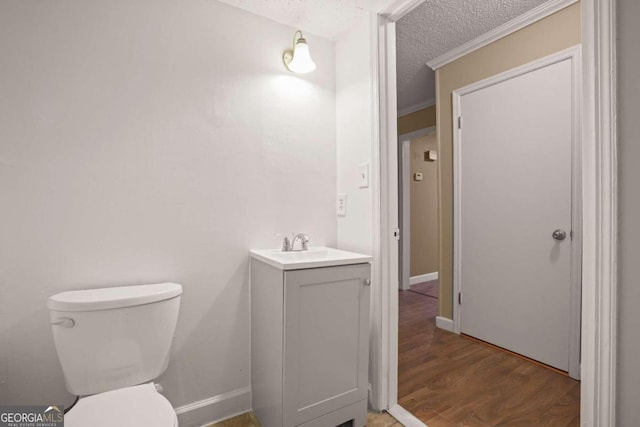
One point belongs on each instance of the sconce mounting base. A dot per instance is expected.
(287, 56)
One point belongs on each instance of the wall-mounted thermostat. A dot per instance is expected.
(417, 176)
(430, 156)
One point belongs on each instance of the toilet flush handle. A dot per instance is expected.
(65, 322)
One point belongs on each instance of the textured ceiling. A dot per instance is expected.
(325, 18)
(438, 26)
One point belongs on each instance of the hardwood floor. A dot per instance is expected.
(248, 419)
(449, 380)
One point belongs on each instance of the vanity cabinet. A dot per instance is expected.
(310, 343)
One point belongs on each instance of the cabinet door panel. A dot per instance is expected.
(326, 340)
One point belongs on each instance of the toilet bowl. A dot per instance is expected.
(139, 406)
(112, 342)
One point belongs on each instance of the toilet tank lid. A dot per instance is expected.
(115, 297)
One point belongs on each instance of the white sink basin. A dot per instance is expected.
(312, 258)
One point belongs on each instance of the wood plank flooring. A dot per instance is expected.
(248, 419)
(448, 380)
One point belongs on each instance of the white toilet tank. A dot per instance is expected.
(116, 337)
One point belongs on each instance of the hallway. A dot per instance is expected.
(446, 380)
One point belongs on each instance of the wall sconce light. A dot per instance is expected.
(298, 59)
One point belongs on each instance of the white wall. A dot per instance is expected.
(145, 141)
(354, 132)
(355, 145)
(628, 393)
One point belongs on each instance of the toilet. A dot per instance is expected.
(112, 343)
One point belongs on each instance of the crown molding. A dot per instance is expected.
(416, 107)
(545, 9)
(393, 10)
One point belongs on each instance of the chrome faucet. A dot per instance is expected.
(289, 245)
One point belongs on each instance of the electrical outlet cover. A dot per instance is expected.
(341, 208)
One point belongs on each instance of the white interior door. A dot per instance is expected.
(514, 188)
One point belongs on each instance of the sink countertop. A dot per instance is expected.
(314, 257)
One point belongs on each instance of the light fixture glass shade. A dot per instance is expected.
(301, 61)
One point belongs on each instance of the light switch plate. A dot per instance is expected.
(363, 173)
(417, 176)
(341, 208)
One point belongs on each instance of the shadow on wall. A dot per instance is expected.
(19, 337)
(208, 346)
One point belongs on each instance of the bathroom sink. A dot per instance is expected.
(314, 257)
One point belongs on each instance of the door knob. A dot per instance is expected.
(559, 234)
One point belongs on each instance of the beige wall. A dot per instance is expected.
(424, 208)
(552, 34)
(420, 119)
(628, 379)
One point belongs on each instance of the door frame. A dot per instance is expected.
(599, 180)
(404, 191)
(572, 53)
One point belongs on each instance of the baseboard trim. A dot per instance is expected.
(444, 323)
(405, 417)
(215, 408)
(423, 278)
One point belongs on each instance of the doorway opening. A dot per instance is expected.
(418, 211)
(443, 108)
(438, 387)
(599, 191)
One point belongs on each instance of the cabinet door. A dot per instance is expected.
(326, 348)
